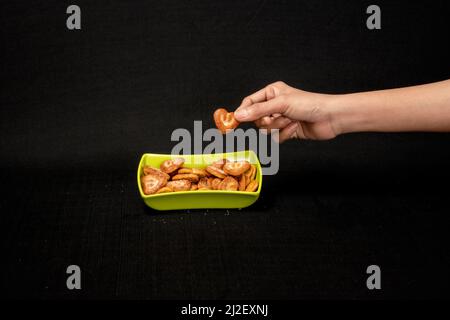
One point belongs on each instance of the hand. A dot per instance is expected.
(296, 113)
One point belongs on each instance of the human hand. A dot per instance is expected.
(296, 113)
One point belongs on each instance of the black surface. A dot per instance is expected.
(78, 108)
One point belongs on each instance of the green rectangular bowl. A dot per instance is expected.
(200, 199)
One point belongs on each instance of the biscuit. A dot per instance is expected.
(224, 120)
(184, 170)
(229, 184)
(252, 186)
(219, 173)
(215, 183)
(152, 183)
(199, 172)
(179, 185)
(171, 165)
(250, 174)
(219, 163)
(242, 183)
(164, 190)
(236, 168)
(203, 184)
(149, 170)
(188, 176)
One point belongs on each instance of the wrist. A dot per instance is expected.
(346, 114)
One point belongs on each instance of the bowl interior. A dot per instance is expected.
(198, 161)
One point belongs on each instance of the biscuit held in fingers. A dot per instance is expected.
(236, 168)
(152, 183)
(171, 165)
(187, 176)
(219, 173)
(225, 120)
(229, 184)
(179, 185)
(252, 186)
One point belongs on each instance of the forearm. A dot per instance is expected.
(417, 108)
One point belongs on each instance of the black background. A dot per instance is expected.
(78, 108)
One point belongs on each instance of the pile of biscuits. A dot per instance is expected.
(220, 175)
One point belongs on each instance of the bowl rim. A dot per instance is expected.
(171, 194)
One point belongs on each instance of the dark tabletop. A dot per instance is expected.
(78, 108)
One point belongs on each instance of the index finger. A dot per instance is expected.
(258, 96)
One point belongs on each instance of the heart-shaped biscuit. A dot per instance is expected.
(229, 184)
(225, 120)
(219, 173)
(152, 183)
(219, 163)
(236, 168)
(171, 165)
(179, 185)
(156, 172)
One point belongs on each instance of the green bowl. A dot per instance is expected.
(200, 199)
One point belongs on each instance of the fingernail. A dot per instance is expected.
(241, 114)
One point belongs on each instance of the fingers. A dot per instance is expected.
(258, 96)
(265, 121)
(279, 123)
(269, 92)
(261, 109)
(287, 133)
(273, 123)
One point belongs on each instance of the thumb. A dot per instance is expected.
(261, 109)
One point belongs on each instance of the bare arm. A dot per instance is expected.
(307, 115)
(418, 108)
